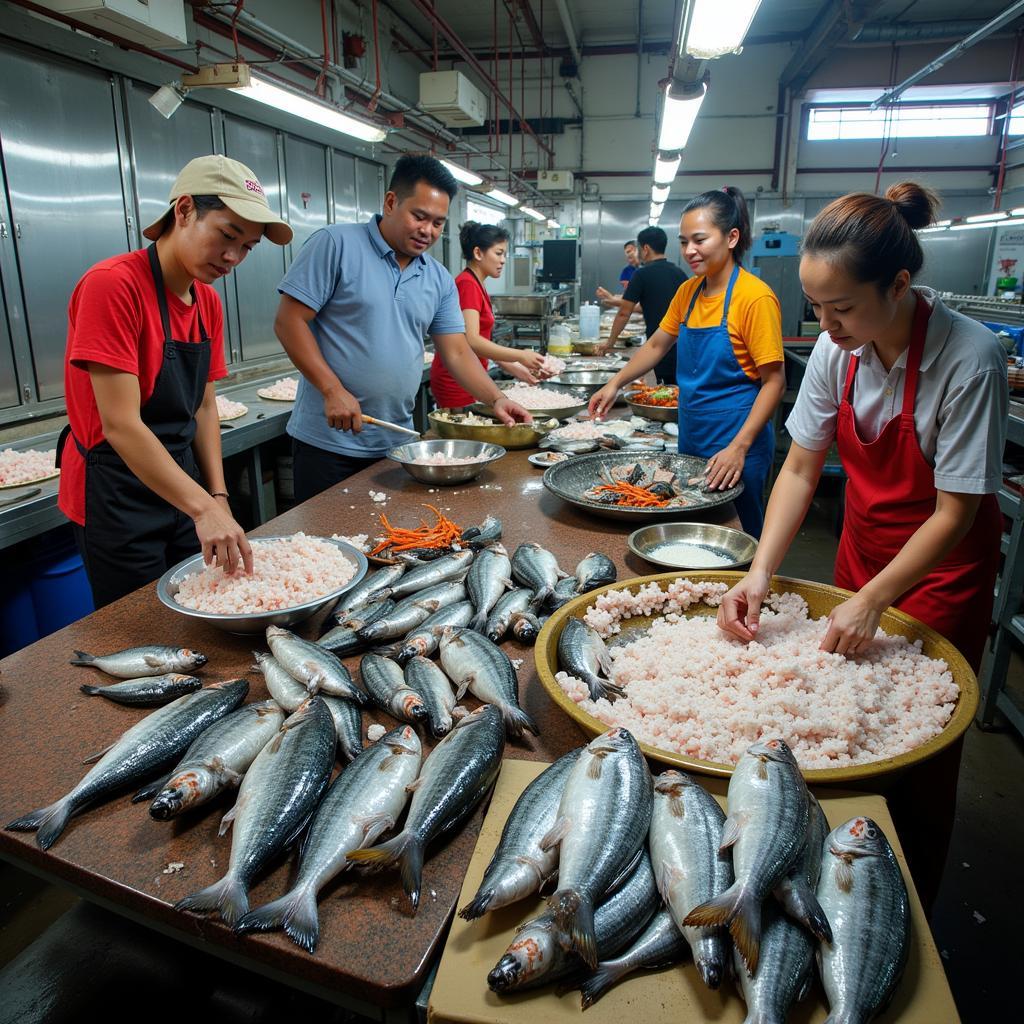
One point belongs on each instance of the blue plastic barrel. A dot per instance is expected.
(18, 626)
(61, 593)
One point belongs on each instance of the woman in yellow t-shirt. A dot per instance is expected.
(729, 362)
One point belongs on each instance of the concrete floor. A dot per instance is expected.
(60, 957)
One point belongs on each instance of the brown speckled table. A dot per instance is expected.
(373, 954)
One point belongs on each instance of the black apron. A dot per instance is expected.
(131, 534)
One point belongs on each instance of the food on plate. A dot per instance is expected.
(229, 410)
(692, 689)
(548, 458)
(691, 556)
(287, 572)
(470, 419)
(148, 690)
(663, 395)
(283, 390)
(552, 365)
(622, 492)
(533, 397)
(440, 459)
(135, 662)
(25, 467)
(643, 484)
(359, 541)
(586, 430)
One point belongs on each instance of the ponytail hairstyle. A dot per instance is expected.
(474, 235)
(873, 237)
(728, 210)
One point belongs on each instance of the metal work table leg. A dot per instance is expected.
(257, 506)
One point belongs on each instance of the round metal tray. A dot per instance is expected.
(578, 398)
(821, 599)
(568, 481)
(661, 413)
(406, 454)
(734, 545)
(522, 435)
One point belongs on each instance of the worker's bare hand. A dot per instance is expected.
(601, 401)
(740, 610)
(851, 625)
(509, 413)
(603, 294)
(342, 410)
(725, 468)
(520, 372)
(223, 540)
(532, 360)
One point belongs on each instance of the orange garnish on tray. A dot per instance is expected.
(635, 497)
(442, 534)
(665, 395)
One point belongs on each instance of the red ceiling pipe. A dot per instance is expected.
(372, 105)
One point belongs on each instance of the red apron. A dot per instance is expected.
(890, 492)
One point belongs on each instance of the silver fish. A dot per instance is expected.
(456, 776)
(569, 446)
(564, 592)
(348, 723)
(796, 891)
(686, 833)
(603, 820)
(278, 794)
(450, 567)
(374, 587)
(135, 662)
(488, 578)
(148, 690)
(486, 533)
(435, 690)
(526, 626)
(474, 663)
(863, 895)
(535, 567)
(660, 944)
(287, 691)
(500, 620)
(583, 654)
(411, 611)
(766, 828)
(317, 669)
(519, 866)
(538, 955)
(364, 801)
(423, 640)
(342, 640)
(385, 682)
(216, 760)
(150, 745)
(595, 570)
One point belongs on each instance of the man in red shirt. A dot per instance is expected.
(142, 479)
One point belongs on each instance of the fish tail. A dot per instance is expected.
(82, 658)
(803, 906)
(738, 910)
(598, 983)
(91, 690)
(295, 912)
(516, 720)
(478, 905)
(229, 896)
(47, 822)
(478, 622)
(600, 688)
(575, 917)
(406, 849)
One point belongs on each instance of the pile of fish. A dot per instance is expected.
(646, 436)
(650, 872)
(655, 476)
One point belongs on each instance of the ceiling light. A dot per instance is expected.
(531, 212)
(502, 197)
(656, 209)
(678, 113)
(713, 28)
(167, 98)
(665, 169)
(552, 223)
(1019, 212)
(971, 227)
(463, 174)
(986, 218)
(652, 222)
(946, 223)
(311, 110)
(660, 193)
(932, 230)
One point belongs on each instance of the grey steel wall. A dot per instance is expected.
(87, 163)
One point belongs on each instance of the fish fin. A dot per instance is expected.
(730, 832)
(595, 986)
(229, 775)
(415, 784)
(93, 758)
(374, 826)
(740, 911)
(463, 687)
(802, 905)
(229, 896)
(151, 660)
(227, 821)
(575, 916)
(82, 658)
(150, 791)
(844, 875)
(295, 912)
(478, 905)
(315, 678)
(596, 764)
(667, 878)
(91, 690)
(762, 769)
(516, 720)
(806, 985)
(47, 822)
(556, 833)
(407, 850)
(478, 622)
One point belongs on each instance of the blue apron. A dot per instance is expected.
(715, 398)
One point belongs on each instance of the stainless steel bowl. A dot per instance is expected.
(589, 381)
(734, 548)
(661, 413)
(406, 454)
(246, 624)
(520, 435)
(575, 400)
(587, 348)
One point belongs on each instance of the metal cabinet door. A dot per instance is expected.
(306, 178)
(256, 280)
(369, 188)
(9, 396)
(344, 172)
(61, 157)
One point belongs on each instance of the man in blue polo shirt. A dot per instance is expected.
(355, 307)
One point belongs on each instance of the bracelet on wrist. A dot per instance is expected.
(219, 494)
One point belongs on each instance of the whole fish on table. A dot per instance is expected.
(370, 589)
(216, 760)
(864, 897)
(474, 663)
(317, 669)
(519, 866)
(500, 619)
(424, 639)
(135, 662)
(796, 892)
(686, 833)
(603, 819)
(526, 626)
(435, 690)
(277, 796)
(148, 690)
(486, 533)
(148, 747)
(565, 590)
(536, 568)
(343, 638)
(767, 829)
(453, 566)
(582, 653)
(595, 570)
(457, 774)
(364, 801)
(489, 577)
(411, 611)
(385, 682)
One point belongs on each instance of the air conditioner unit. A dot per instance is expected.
(452, 98)
(555, 181)
(159, 24)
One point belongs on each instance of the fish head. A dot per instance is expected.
(276, 631)
(194, 659)
(773, 750)
(858, 837)
(403, 740)
(412, 705)
(529, 956)
(673, 782)
(180, 792)
(614, 741)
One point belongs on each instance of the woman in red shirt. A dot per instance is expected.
(485, 248)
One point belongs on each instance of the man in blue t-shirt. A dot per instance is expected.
(356, 304)
(632, 262)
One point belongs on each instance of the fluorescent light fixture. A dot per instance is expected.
(167, 99)
(502, 197)
(463, 174)
(678, 114)
(972, 227)
(1019, 212)
(932, 230)
(531, 212)
(660, 193)
(310, 110)
(552, 223)
(986, 218)
(665, 169)
(714, 28)
(946, 223)
(656, 210)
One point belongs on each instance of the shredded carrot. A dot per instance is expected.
(630, 494)
(442, 534)
(662, 394)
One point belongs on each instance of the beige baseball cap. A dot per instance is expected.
(231, 182)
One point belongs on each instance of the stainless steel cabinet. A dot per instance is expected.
(9, 396)
(343, 167)
(369, 188)
(306, 177)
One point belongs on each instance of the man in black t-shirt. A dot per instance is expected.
(653, 287)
